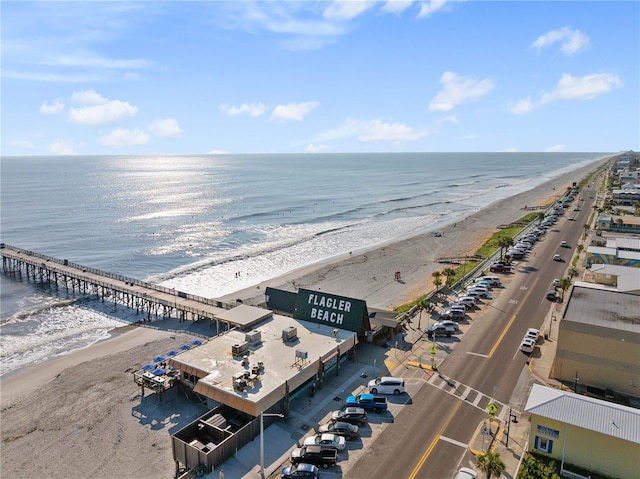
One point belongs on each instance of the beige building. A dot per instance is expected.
(592, 434)
(599, 341)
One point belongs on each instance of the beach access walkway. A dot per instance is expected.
(150, 299)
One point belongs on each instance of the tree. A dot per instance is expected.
(450, 273)
(504, 242)
(564, 284)
(540, 217)
(586, 227)
(572, 272)
(437, 280)
(422, 304)
(491, 464)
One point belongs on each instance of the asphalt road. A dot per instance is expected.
(429, 439)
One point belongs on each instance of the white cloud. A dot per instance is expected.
(346, 10)
(311, 148)
(52, 108)
(396, 6)
(371, 131)
(88, 97)
(106, 113)
(167, 128)
(377, 130)
(522, 106)
(555, 148)
(582, 88)
(458, 90)
(251, 109)
(217, 152)
(89, 59)
(511, 149)
(122, 137)
(572, 41)
(22, 144)
(429, 6)
(293, 111)
(448, 119)
(60, 147)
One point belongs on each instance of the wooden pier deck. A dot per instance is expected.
(147, 298)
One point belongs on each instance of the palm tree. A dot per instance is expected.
(422, 304)
(491, 464)
(437, 280)
(450, 273)
(540, 217)
(564, 284)
(504, 242)
(586, 227)
(572, 272)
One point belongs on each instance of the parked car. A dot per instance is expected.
(344, 429)
(499, 268)
(368, 402)
(477, 292)
(465, 299)
(557, 257)
(300, 471)
(493, 280)
(527, 345)
(484, 283)
(533, 334)
(436, 330)
(315, 455)
(466, 473)
(387, 385)
(453, 324)
(552, 295)
(453, 313)
(327, 441)
(352, 415)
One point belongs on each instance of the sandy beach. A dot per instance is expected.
(81, 415)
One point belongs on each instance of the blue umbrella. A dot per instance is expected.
(159, 372)
(147, 367)
(196, 342)
(171, 368)
(158, 359)
(173, 352)
(185, 347)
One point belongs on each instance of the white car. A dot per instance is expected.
(533, 334)
(564, 244)
(527, 345)
(465, 299)
(466, 473)
(448, 322)
(327, 440)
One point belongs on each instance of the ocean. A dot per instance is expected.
(214, 224)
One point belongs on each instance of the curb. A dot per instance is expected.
(495, 440)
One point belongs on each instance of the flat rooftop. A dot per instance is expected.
(286, 362)
(599, 307)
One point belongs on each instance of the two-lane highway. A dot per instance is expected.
(429, 438)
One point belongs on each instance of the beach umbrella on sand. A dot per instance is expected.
(173, 352)
(159, 371)
(158, 359)
(147, 367)
(185, 347)
(196, 342)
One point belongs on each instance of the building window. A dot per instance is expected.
(543, 444)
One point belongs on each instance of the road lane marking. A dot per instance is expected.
(501, 337)
(477, 354)
(453, 441)
(429, 450)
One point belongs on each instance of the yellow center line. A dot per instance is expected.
(501, 337)
(433, 443)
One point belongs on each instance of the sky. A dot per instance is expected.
(225, 77)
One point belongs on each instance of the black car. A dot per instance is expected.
(352, 415)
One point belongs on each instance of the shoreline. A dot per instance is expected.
(90, 415)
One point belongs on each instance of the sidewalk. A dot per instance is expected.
(509, 438)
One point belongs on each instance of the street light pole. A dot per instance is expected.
(262, 440)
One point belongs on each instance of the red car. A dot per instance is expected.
(499, 268)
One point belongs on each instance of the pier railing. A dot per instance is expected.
(119, 277)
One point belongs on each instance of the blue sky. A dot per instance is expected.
(147, 77)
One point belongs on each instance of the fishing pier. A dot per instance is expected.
(149, 299)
